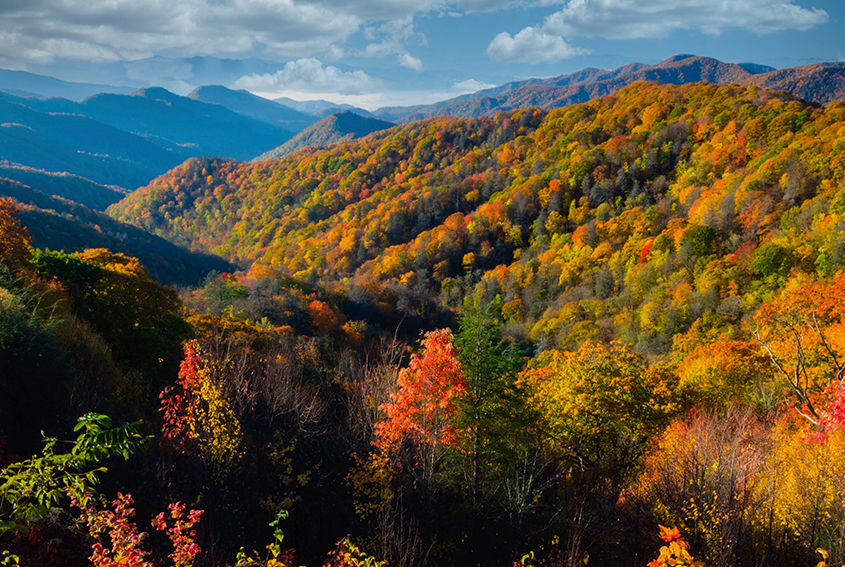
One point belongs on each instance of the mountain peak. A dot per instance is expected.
(338, 127)
(155, 93)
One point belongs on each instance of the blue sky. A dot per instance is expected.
(374, 53)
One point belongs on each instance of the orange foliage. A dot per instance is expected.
(322, 317)
(424, 407)
(802, 330)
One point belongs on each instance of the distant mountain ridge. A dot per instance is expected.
(29, 84)
(820, 82)
(318, 107)
(38, 134)
(58, 224)
(339, 127)
(126, 140)
(248, 104)
(65, 185)
(184, 124)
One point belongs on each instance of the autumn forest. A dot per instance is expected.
(611, 333)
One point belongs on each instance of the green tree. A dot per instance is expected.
(494, 409)
(139, 318)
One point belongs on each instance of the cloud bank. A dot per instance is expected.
(310, 76)
(646, 19)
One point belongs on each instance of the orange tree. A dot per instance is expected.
(424, 408)
(15, 242)
(804, 335)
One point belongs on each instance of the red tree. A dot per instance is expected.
(424, 407)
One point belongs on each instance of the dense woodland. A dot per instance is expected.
(534, 338)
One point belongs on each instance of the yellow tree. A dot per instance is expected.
(725, 371)
(15, 242)
(197, 413)
(602, 402)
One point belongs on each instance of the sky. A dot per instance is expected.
(376, 53)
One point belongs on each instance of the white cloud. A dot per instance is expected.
(394, 35)
(635, 19)
(488, 5)
(470, 86)
(310, 76)
(135, 29)
(132, 29)
(626, 19)
(531, 45)
(406, 60)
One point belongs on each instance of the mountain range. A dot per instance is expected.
(126, 140)
(261, 109)
(94, 150)
(820, 82)
(21, 83)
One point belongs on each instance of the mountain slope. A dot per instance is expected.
(339, 127)
(247, 104)
(655, 211)
(58, 224)
(174, 122)
(77, 144)
(822, 82)
(71, 187)
(179, 122)
(317, 107)
(43, 86)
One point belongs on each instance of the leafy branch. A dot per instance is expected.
(30, 489)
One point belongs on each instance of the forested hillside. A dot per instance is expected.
(61, 224)
(83, 191)
(636, 216)
(43, 138)
(608, 334)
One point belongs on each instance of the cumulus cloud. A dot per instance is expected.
(531, 45)
(134, 29)
(626, 19)
(391, 38)
(623, 19)
(409, 62)
(124, 29)
(470, 86)
(488, 5)
(310, 76)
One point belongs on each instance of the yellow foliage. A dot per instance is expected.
(805, 480)
(600, 390)
(214, 424)
(370, 479)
